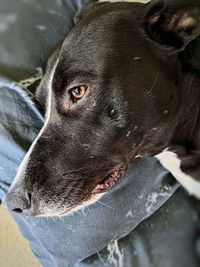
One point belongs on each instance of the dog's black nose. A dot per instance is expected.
(18, 202)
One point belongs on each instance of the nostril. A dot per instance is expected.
(17, 210)
(29, 198)
(19, 201)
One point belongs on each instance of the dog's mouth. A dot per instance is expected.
(110, 180)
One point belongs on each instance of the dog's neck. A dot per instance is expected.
(184, 128)
(188, 117)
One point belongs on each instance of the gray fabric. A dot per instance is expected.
(29, 32)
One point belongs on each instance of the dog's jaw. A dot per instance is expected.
(70, 211)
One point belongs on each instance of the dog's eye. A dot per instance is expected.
(78, 92)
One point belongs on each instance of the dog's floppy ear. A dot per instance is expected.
(42, 90)
(172, 24)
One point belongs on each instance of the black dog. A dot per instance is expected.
(124, 83)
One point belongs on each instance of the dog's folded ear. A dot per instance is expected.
(172, 24)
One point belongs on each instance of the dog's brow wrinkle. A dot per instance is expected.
(76, 74)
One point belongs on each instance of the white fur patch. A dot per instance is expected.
(170, 161)
(22, 168)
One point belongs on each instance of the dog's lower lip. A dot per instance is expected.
(110, 180)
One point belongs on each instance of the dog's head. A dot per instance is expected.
(109, 92)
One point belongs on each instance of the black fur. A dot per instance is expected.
(140, 64)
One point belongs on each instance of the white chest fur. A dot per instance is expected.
(170, 161)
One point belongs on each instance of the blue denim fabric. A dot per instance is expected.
(70, 239)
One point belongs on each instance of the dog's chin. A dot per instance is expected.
(70, 210)
(111, 179)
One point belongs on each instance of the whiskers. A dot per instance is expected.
(86, 173)
(105, 205)
(74, 187)
(74, 171)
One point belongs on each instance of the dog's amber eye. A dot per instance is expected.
(78, 92)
